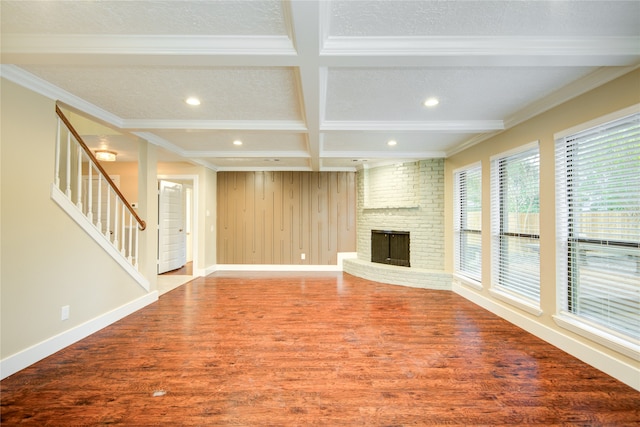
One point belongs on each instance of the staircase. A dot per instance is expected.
(84, 190)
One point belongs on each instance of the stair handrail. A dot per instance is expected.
(141, 223)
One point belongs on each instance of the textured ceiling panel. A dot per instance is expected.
(212, 140)
(484, 18)
(256, 17)
(227, 93)
(465, 93)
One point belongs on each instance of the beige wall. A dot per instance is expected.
(616, 95)
(47, 260)
(128, 173)
(275, 217)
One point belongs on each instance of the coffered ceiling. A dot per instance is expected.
(309, 85)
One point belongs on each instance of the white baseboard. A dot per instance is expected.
(16, 362)
(276, 267)
(619, 370)
(209, 270)
(341, 256)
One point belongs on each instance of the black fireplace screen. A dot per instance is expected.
(390, 247)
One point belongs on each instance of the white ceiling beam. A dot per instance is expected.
(305, 26)
(440, 61)
(457, 126)
(361, 154)
(474, 51)
(248, 154)
(481, 45)
(180, 45)
(243, 125)
(156, 60)
(132, 50)
(263, 169)
(115, 50)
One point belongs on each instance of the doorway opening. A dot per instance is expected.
(177, 230)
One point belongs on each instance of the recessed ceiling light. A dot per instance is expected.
(431, 102)
(392, 142)
(192, 100)
(237, 142)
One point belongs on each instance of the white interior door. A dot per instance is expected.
(171, 234)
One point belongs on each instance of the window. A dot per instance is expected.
(468, 222)
(515, 212)
(598, 225)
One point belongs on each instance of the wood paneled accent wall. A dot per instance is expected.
(275, 217)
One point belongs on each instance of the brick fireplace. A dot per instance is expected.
(407, 197)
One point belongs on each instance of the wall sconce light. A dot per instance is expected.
(106, 156)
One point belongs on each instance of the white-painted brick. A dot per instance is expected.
(413, 277)
(407, 197)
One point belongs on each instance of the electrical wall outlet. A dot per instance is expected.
(303, 256)
(64, 312)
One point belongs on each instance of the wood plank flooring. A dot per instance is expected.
(325, 349)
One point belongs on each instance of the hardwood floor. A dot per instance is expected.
(324, 349)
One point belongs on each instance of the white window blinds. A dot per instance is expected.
(515, 223)
(468, 222)
(598, 224)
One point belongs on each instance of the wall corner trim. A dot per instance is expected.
(18, 361)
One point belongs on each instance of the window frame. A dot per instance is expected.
(564, 316)
(459, 228)
(497, 289)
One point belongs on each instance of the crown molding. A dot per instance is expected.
(161, 142)
(581, 86)
(46, 89)
(477, 139)
(572, 90)
(457, 126)
(204, 163)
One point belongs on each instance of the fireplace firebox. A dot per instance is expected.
(390, 247)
